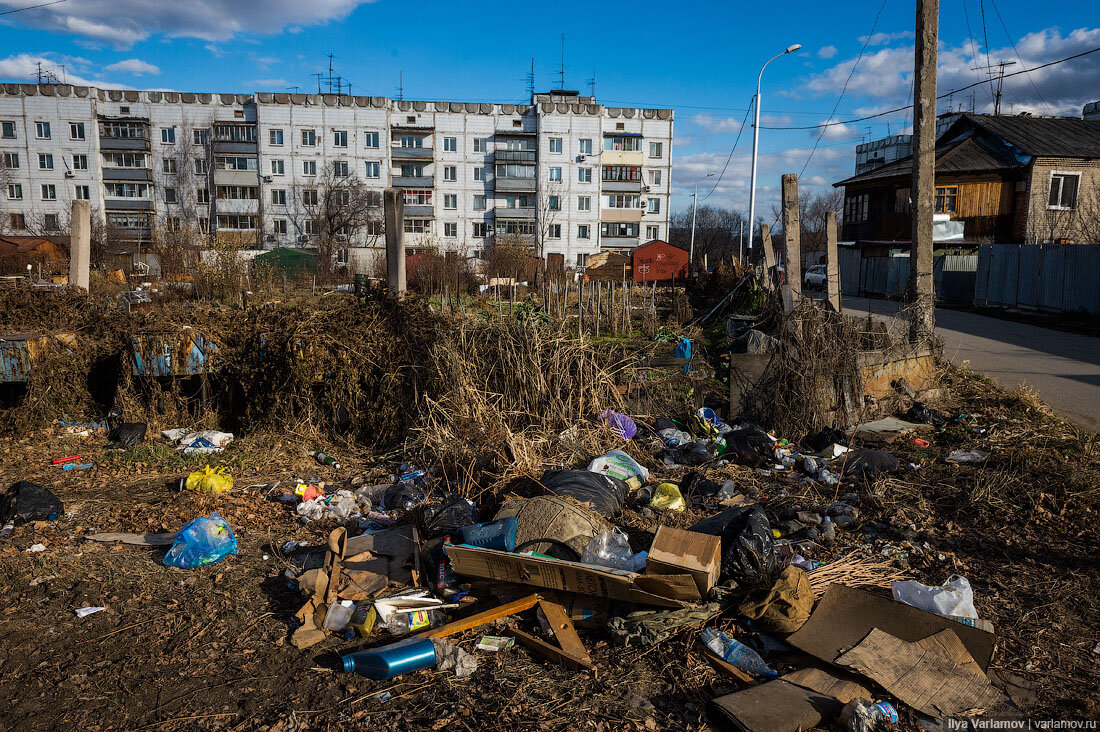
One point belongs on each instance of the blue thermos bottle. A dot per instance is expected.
(386, 662)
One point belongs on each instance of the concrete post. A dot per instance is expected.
(792, 235)
(832, 263)
(80, 244)
(394, 209)
(769, 255)
(921, 287)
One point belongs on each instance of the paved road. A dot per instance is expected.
(1064, 367)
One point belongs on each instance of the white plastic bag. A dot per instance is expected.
(953, 597)
(611, 549)
(618, 464)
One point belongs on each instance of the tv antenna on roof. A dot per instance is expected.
(997, 70)
(592, 85)
(400, 85)
(529, 79)
(561, 72)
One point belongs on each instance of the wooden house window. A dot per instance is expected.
(946, 197)
(856, 208)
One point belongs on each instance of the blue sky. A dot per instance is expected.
(701, 59)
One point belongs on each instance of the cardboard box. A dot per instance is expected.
(676, 551)
(559, 574)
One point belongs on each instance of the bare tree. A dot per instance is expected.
(339, 212)
(717, 232)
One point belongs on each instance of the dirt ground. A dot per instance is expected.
(209, 648)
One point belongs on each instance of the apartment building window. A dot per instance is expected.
(202, 195)
(656, 149)
(622, 144)
(586, 146)
(450, 173)
(553, 203)
(278, 167)
(479, 173)
(655, 177)
(582, 231)
(76, 131)
(516, 171)
(412, 171)
(340, 138)
(309, 138)
(450, 200)
(45, 161)
(168, 135)
(582, 259)
(418, 197)
(235, 133)
(418, 226)
(204, 225)
(278, 226)
(480, 144)
(555, 144)
(174, 223)
(127, 160)
(450, 230)
(519, 201)
(168, 165)
(11, 161)
(17, 221)
(170, 195)
(652, 232)
(373, 170)
(49, 192)
(618, 229)
(124, 130)
(1063, 190)
(50, 222)
(275, 136)
(200, 136)
(236, 221)
(340, 168)
(554, 231)
(42, 130)
(309, 227)
(515, 228)
(15, 191)
(310, 197)
(450, 144)
(584, 203)
(128, 220)
(200, 166)
(620, 125)
(622, 201)
(584, 175)
(655, 205)
(82, 193)
(238, 193)
(80, 162)
(309, 167)
(622, 173)
(7, 130)
(946, 198)
(480, 229)
(371, 140)
(555, 174)
(126, 190)
(235, 163)
(278, 196)
(856, 208)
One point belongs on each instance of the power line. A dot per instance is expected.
(32, 7)
(985, 42)
(730, 156)
(941, 96)
(851, 72)
(1019, 57)
(970, 35)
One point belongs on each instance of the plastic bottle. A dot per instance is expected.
(324, 459)
(338, 615)
(499, 535)
(860, 715)
(386, 662)
(736, 653)
(412, 621)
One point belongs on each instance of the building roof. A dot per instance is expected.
(651, 242)
(27, 245)
(967, 155)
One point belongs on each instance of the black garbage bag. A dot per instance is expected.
(698, 452)
(452, 513)
(921, 413)
(870, 462)
(27, 501)
(748, 547)
(740, 450)
(606, 495)
(126, 434)
(695, 484)
(403, 495)
(664, 423)
(824, 438)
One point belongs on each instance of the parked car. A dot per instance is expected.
(815, 276)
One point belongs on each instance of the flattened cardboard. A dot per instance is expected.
(558, 574)
(841, 686)
(922, 676)
(396, 544)
(165, 539)
(846, 615)
(777, 706)
(676, 551)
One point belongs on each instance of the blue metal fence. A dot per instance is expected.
(1058, 277)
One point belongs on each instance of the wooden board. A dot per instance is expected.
(552, 652)
(564, 632)
(488, 616)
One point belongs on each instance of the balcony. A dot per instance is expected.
(619, 242)
(419, 211)
(238, 205)
(127, 204)
(621, 215)
(622, 157)
(123, 143)
(236, 178)
(516, 184)
(621, 186)
(240, 148)
(405, 181)
(519, 212)
(411, 153)
(127, 174)
(516, 132)
(515, 156)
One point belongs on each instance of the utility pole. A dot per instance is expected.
(921, 288)
(1000, 74)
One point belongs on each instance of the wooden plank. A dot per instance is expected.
(564, 631)
(552, 652)
(488, 616)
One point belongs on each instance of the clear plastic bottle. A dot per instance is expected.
(860, 715)
(736, 653)
(414, 621)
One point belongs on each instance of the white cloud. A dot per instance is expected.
(266, 61)
(826, 52)
(24, 67)
(214, 49)
(281, 83)
(121, 23)
(134, 66)
(716, 125)
(835, 132)
(881, 39)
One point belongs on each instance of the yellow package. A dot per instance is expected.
(209, 480)
(667, 495)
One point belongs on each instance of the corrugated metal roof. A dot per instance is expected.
(966, 155)
(1058, 137)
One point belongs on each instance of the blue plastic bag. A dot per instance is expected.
(683, 350)
(206, 540)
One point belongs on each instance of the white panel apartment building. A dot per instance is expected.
(563, 173)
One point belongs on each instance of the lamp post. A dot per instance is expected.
(694, 202)
(756, 138)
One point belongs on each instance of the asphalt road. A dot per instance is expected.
(1063, 367)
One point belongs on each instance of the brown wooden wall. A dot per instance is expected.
(985, 198)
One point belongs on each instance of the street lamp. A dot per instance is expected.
(694, 202)
(756, 138)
